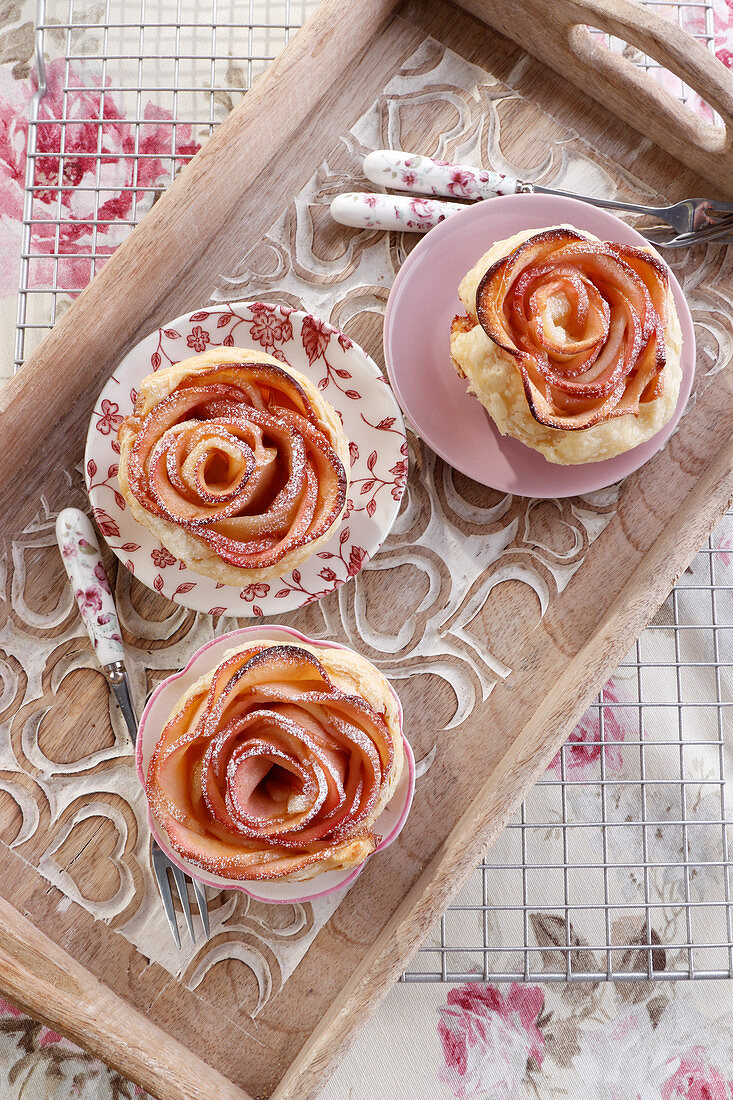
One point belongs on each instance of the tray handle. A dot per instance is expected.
(674, 49)
(44, 980)
(556, 31)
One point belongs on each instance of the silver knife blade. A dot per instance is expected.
(117, 679)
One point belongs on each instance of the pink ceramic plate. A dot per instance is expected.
(158, 710)
(421, 306)
(346, 376)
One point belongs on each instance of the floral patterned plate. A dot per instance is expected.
(348, 378)
(417, 324)
(162, 702)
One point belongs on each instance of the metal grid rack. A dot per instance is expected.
(194, 68)
(597, 877)
(622, 873)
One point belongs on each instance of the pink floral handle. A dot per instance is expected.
(83, 562)
(371, 211)
(412, 172)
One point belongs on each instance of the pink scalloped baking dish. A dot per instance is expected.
(158, 709)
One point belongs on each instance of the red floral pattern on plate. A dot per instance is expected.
(162, 558)
(350, 381)
(269, 327)
(109, 419)
(198, 339)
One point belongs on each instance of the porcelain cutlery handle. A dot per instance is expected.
(83, 562)
(372, 211)
(412, 172)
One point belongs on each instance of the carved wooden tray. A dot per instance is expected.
(496, 618)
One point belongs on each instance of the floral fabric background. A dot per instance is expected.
(632, 1040)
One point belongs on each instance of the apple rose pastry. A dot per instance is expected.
(277, 763)
(572, 344)
(236, 463)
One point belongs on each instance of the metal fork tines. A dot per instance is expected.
(687, 216)
(161, 865)
(74, 531)
(664, 237)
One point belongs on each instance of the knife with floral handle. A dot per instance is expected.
(367, 210)
(83, 563)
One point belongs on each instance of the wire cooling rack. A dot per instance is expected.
(622, 872)
(616, 867)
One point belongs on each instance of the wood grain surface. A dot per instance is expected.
(557, 32)
(46, 982)
(559, 652)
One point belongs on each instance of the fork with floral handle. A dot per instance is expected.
(83, 563)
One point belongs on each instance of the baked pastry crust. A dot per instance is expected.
(493, 377)
(181, 542)
(351, 674)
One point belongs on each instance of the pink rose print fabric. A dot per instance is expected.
(684, 1057)
(496, 1044)
(36, 1063)
(66, 207)
(580, 757)
(489, 1038)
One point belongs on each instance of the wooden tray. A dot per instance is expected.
(522, 660)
